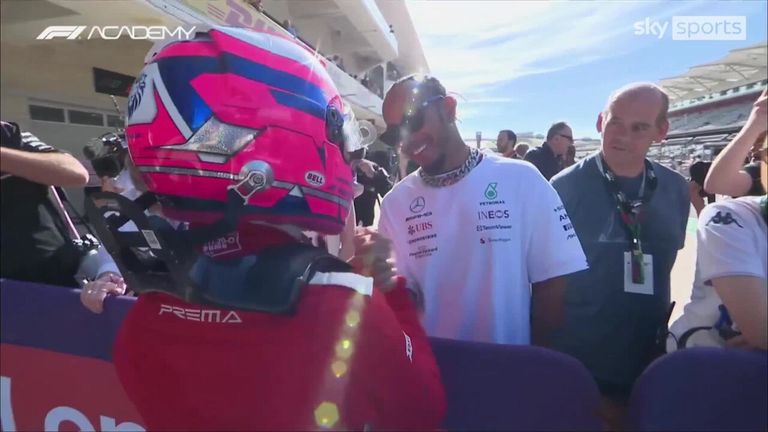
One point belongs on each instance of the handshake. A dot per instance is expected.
(373, 258)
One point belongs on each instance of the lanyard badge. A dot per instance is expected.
(630, 212)
(630, 215)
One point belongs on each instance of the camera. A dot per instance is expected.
(107, 154)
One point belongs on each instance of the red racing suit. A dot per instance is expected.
(344, 360)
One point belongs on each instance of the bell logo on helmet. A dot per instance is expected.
(314, 178)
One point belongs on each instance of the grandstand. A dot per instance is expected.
(710, 103)
(719, 113)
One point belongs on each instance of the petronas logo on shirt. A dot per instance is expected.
(490, 191)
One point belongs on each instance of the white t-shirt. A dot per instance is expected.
(731, 242)
(471, 250)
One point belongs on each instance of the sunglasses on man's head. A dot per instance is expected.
(413, 121)
(567, 137)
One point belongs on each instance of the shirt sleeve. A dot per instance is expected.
(726, 244)
(11, 136)
(95, 264)
(33, 144)
(554, 249)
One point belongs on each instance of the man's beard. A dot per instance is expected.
(436, 167)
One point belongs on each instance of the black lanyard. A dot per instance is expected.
(630, 210)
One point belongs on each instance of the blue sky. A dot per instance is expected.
(523, 65)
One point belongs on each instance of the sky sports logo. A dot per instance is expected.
(116, 32)
(695, 28)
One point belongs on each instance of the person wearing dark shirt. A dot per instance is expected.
(630, 215)
(376, 184)
(753, 169)
(698, 172)
(33, 244)
(548, 157)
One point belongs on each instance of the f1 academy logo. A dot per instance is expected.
(116, 32)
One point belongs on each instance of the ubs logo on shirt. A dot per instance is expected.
(419, 227)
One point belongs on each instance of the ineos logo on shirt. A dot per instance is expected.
(418, 205)
(314, 178)
(493, 214)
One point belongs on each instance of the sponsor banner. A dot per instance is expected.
(46, 390)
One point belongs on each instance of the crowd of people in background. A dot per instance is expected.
(336, 59)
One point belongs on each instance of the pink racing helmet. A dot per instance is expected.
(254, 115)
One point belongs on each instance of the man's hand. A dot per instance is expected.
(373, 258)
(758, 118)
(93, 294)
(367, 167)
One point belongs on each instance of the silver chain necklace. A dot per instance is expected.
(452, 177)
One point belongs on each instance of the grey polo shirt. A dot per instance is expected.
(612, 331)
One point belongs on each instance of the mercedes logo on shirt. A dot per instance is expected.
(418, 204)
